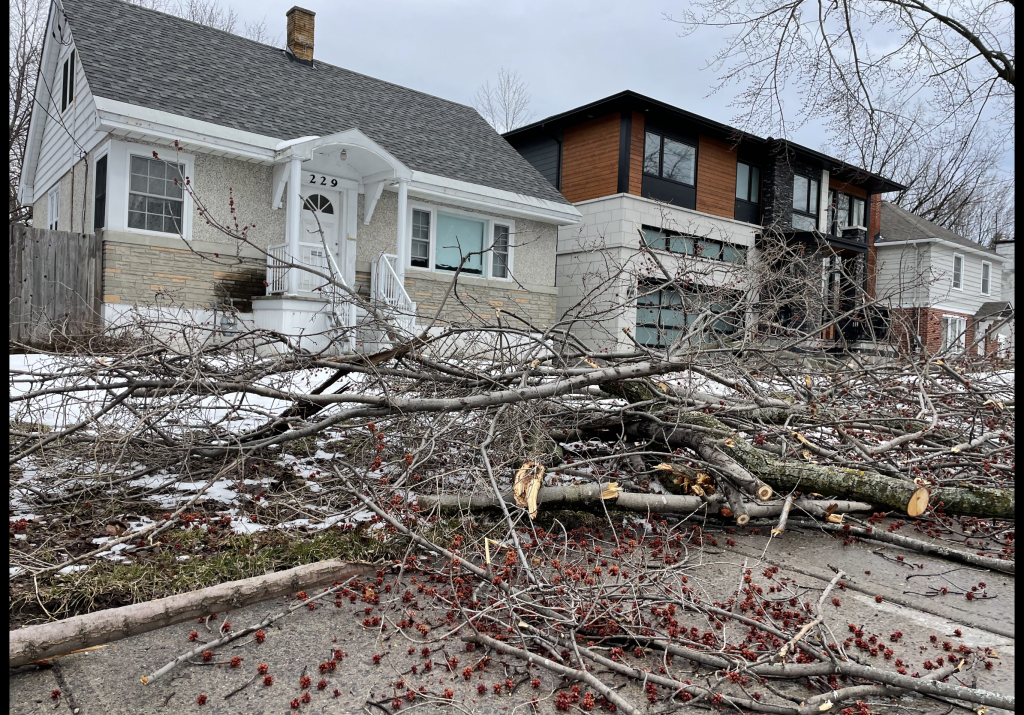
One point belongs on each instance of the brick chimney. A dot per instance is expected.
(300, 32)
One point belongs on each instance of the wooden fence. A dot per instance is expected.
(56, 283)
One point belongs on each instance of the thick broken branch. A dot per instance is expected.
(50, 639)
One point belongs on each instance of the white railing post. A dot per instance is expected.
(402, 238)
(293, 217)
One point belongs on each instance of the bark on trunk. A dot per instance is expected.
(588, 497)
(58, 637)
(860, 485)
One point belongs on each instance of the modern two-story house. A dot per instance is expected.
(945, 292)
(154, 130)
(699, 192)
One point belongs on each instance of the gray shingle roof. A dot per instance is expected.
(898, 224)
(155, 60)
(993, 309)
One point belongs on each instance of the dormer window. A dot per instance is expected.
(67, 84)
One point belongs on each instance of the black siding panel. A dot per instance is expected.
(625, 135)
(669, 192)
(746, 211)
(542, 152)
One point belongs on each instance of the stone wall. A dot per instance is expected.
(152, 270)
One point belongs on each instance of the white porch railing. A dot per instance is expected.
(386, 289)
(319, 258)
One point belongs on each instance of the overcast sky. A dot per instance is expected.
(570, 52)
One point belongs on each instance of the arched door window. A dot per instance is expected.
(316, 202)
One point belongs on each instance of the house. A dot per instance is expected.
(944, 291)
(700, 192)
(383, 186)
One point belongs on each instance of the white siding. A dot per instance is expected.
(903, 274)
(970, 298)
(63, 132)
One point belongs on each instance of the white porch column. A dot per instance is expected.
(403, 242)
(293, 220)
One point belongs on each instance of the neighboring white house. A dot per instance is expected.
(401, 183)
(948, 291)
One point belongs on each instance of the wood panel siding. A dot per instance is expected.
(590, 158)
(845, 188)
(716, 177)
(636, 154)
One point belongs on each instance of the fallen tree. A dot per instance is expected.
(34, 643)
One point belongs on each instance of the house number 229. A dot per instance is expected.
(323, 181)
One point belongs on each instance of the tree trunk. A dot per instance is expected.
(587, 497)
(57, 637)
(841, 482)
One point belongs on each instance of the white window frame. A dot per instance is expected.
(961, 332)
(986, 266)
(952, 279)
(53, 208)
(119, 187)
(489, 224)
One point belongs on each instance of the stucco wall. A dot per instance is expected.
(217, 180)
(534, 242)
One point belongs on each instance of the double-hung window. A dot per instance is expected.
(958, 271)
(986, 277)
(805, 203)
(420, 254)
(669, 159)
(155, 197)
(954, 334)
(67, 82)
(445, 241)
(499, 252)
(53, 208)
(748, 183)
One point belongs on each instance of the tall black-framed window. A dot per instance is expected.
(748, 183)
(748, 193)
(805, 202)
(67, 84)
(670, 159)
(99, 213)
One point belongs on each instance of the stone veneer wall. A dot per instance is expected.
(155, 273)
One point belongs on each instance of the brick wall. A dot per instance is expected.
(590, 158)
(636, 154)
(716, 178)
(148, 275)
(926, 322)
(300, 32)
(874, 226)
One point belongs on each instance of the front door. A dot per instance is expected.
(321, 219)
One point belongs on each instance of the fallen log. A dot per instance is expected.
(47, 640)
(588, 497)
(857, 484)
